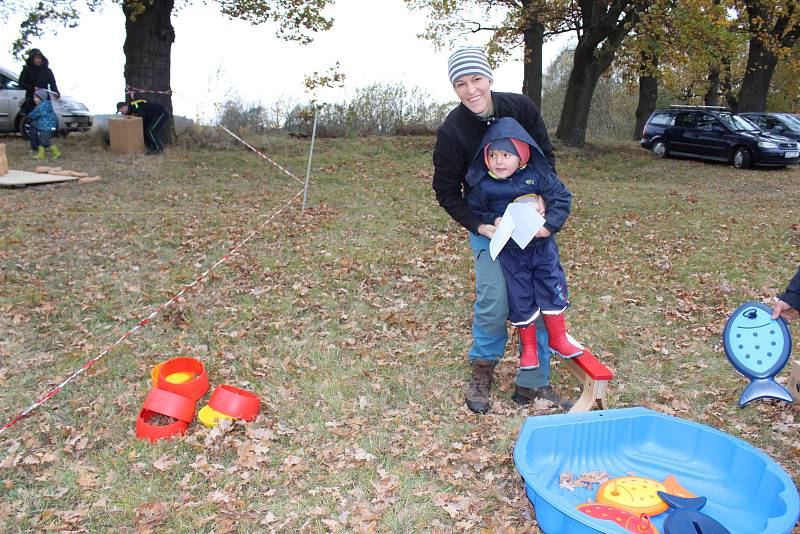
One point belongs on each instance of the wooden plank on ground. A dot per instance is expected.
(29, 178)
(3, 160)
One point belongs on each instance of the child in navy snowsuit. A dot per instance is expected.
(510, 167)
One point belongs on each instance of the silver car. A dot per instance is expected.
(72, 115)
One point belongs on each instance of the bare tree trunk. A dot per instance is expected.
(648, 91)
(726, 85)
(532, 73)
(771, 29)
(605, 29)
(761, 64)
(148, 47)
(712, 94)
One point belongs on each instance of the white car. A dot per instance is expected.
(72, 115)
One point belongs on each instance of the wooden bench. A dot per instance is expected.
(594, 376)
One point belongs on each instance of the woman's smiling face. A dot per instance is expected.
(474, 91)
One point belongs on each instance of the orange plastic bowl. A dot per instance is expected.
(170, 404)
(235, 402)
(193, 389)
(150, 432)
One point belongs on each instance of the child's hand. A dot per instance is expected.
(541, 207)
(543, 232)
(487, 230)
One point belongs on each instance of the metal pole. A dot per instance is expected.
(310, 155)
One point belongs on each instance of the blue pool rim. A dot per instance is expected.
(551, 508)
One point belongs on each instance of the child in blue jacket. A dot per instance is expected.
(510, 166)
(44, 123)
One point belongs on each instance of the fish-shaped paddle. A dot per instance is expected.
(758, 347)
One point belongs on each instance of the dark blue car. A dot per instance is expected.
(714, 133)
(783, 124)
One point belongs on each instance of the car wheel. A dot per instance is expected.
(742, 158)
(660, 149)
(24, 126)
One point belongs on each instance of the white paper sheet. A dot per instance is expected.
(520, 222)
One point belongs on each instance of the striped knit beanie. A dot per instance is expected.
(469, 60)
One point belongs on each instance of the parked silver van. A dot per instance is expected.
(72, 115)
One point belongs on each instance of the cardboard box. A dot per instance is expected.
(126, 134)
(3, 160)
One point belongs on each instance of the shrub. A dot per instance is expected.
(378, 109)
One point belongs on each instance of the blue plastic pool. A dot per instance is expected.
(747, 492)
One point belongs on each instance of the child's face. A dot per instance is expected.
(502, 164)
(36, 100)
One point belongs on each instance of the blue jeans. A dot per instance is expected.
(489, 334)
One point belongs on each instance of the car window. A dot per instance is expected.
(705, 122)
(737, 123)
(770, 122)
(8, 83)
(661, 119)
(685, 120)
(793, 121)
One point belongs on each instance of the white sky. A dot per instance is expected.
(213, 56)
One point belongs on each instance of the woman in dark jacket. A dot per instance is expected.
(457, 140)
(36, 74)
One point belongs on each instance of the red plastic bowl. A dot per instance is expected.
(171, 404)
(145, 430)
(193, 389)
(235, 402)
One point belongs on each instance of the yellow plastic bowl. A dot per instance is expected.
(210, 417)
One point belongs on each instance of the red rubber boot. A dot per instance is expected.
(529, 359)
(558, 340)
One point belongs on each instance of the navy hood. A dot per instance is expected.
(36, 52)
(507, 127)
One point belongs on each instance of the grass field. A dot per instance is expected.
(352, 323)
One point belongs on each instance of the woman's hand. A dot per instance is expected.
(543, 232)
(541, 207)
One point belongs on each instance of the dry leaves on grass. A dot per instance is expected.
(149, 515)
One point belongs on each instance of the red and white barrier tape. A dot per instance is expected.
(130, 91)
(251, 147)
(27, 411)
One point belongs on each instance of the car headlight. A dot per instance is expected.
(767, 144)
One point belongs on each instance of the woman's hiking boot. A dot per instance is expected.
(558, 340)
(525, 395)
(479, 394)
(529, 358)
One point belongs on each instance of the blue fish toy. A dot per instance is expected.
(759, 348)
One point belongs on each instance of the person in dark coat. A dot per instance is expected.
(788, 304)
(36, 74)
(154, 117)
(456, 142)
(510, 167)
